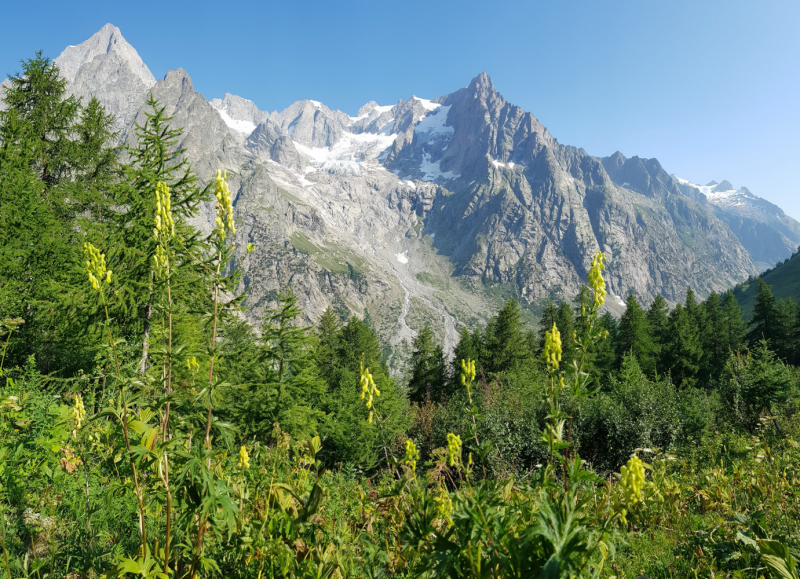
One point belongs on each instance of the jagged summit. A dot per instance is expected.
(107, 67)
(107, 39)
(416, 210)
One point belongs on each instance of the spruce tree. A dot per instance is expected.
(427, 368)
(505, 342)
(734, 324)
(685, 350)
(764, 321)
(714, 340)
(634, 337)
(659, 329)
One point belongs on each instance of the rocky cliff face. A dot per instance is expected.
(426, 211)
(768, 234)
(108, 68)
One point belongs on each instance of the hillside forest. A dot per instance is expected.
(148, 430)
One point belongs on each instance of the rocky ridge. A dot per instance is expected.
(768, 234)
(424, 211)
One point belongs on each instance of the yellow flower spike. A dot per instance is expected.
(412, 456)
(632, 480)
(96, 266)
(369, 420)
(244, 458)
(453, 449)
(596, 281)
(250, 248)
(552, 348)
(368, 388)
(224, 207)
(78, 411)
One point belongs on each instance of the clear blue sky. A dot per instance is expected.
(711, 88)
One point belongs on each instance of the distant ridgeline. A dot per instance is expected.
(783, 279)
(435, 211)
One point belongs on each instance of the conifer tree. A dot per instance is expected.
(785, 333)
(764, 321)
(549, 317)
(734, 324)
(427, 368)
(55, 165)
(714, 340)
(685, 350)
(469, 347)
(328, 329)
(155, 158)
(634, 337)
(505, 343)
(659, 328)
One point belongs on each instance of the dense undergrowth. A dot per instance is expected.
(146, 430)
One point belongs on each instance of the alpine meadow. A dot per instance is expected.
(425, 341)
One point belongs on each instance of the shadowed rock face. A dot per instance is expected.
(430, 211)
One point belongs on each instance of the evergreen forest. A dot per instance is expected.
(148, 430)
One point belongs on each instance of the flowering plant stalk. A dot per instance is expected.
(99, 278)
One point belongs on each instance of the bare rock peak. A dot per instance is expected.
(105, 41)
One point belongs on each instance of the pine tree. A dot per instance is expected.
(734, 324)
(634, 336)
(715, 340)
(55, 165)
(764, 322)
(131, 244)
(427, 368)
(505, 343)
(328, 329)
(659, 328)
(685, 350)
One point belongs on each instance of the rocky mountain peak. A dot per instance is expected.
(724, 186)
(106, 40)
(481, 83)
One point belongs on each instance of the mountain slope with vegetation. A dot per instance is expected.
(148, 430)
(425, 211)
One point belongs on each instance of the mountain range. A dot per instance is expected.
(436, 210)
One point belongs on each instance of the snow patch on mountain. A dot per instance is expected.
(427, 104)
(244, 127)
(501, 164)
(710, 190)
(431, 170)
(348, 155)
(434, 123)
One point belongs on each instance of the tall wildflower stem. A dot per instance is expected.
(224, 224)
(163, 232)
(99, 277)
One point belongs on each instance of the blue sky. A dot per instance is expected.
(711, 88)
